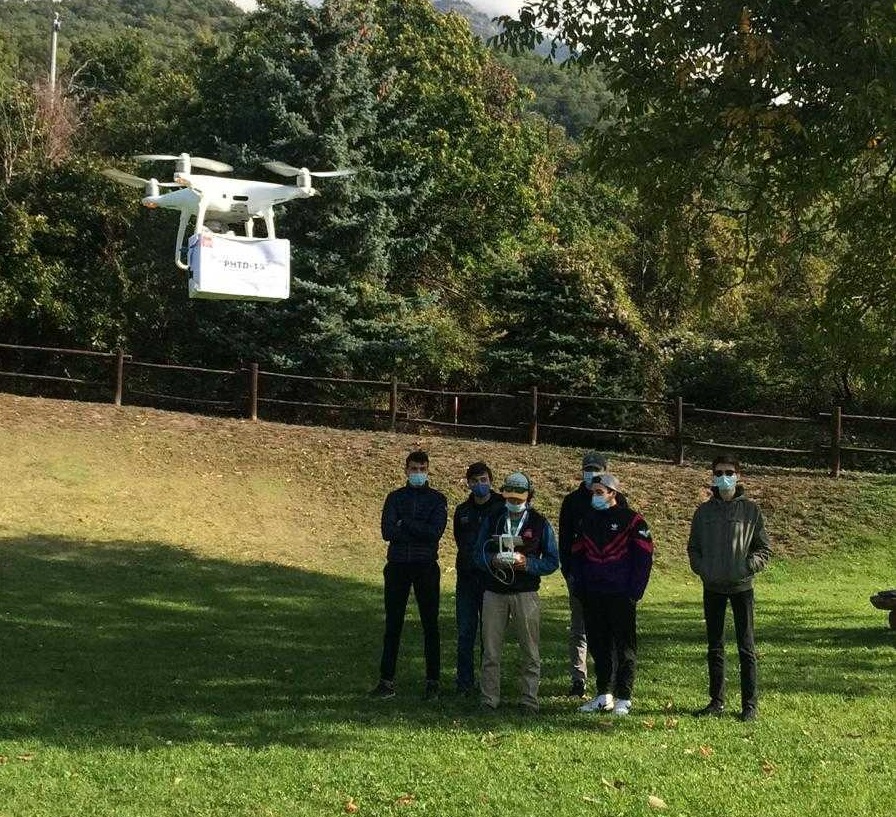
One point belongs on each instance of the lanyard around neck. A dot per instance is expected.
(509, 528)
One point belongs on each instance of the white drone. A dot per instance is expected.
(222, 200)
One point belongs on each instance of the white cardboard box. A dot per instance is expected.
(238, 268)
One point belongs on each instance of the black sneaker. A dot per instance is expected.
(712, 710)
(576, 689)
(431, 691)
(383, 690)
(748, 714)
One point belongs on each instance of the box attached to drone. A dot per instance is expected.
(233, 267)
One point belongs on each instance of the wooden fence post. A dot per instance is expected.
(533, 420)
(679, 431)
(393, 403)
(456, 408)
(253, 392)
(836, 434)
(119, 375)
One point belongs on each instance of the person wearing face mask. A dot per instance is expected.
(413, 520)
(727, 547)
(612, 555)
(468, 519)
(575, 504)
(516, 546)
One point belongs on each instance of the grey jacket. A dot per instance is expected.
(728, 544)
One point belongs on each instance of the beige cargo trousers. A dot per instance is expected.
(524, 610)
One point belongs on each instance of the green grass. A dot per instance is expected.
(190, 615)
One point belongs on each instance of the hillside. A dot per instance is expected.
(192, 617)
(25, 26)
(310, 497)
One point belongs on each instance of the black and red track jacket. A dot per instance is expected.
(612, 552)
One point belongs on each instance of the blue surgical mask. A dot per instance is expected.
(516, 507)
(599, 503)
(724, 483)
(481, 489)
(588, 477)
(417, 480)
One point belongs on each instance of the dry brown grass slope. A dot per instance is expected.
(310, 497)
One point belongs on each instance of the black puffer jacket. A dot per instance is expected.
(413, 521)
(468, 517)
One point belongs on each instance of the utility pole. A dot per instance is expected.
(54, 37)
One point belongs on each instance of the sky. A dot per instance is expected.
(495, 7)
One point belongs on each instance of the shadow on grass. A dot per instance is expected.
(142, 644)
(138, 644)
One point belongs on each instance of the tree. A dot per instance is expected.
(778, 116)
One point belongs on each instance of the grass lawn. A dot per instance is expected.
(190, 617)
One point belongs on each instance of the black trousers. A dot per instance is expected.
(714, 607)
(399, 578)
(610, 626)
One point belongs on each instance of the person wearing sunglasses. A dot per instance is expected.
(727, 547)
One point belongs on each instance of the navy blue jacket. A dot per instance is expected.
(413, 521)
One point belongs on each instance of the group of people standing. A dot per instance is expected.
(605, 553)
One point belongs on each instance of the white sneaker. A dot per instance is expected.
(622, 707)
(601, 703)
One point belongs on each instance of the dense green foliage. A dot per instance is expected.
(760, 141)
(625, 224)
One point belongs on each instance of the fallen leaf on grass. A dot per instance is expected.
(350, 806)
(671, 723)
(25, 758)
(649, 723)
(3, 759)
(616, 784)
(706, 751)
(405, 800)
(656, 802)
(768, 767)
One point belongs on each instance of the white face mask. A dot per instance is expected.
(515, 507)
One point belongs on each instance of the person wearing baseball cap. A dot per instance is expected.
(576, 504)
(515, 548)
(612, 554)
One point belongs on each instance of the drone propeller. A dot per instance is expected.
(284, 169)
(190, 161)
(133, 181)
(150, 187)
